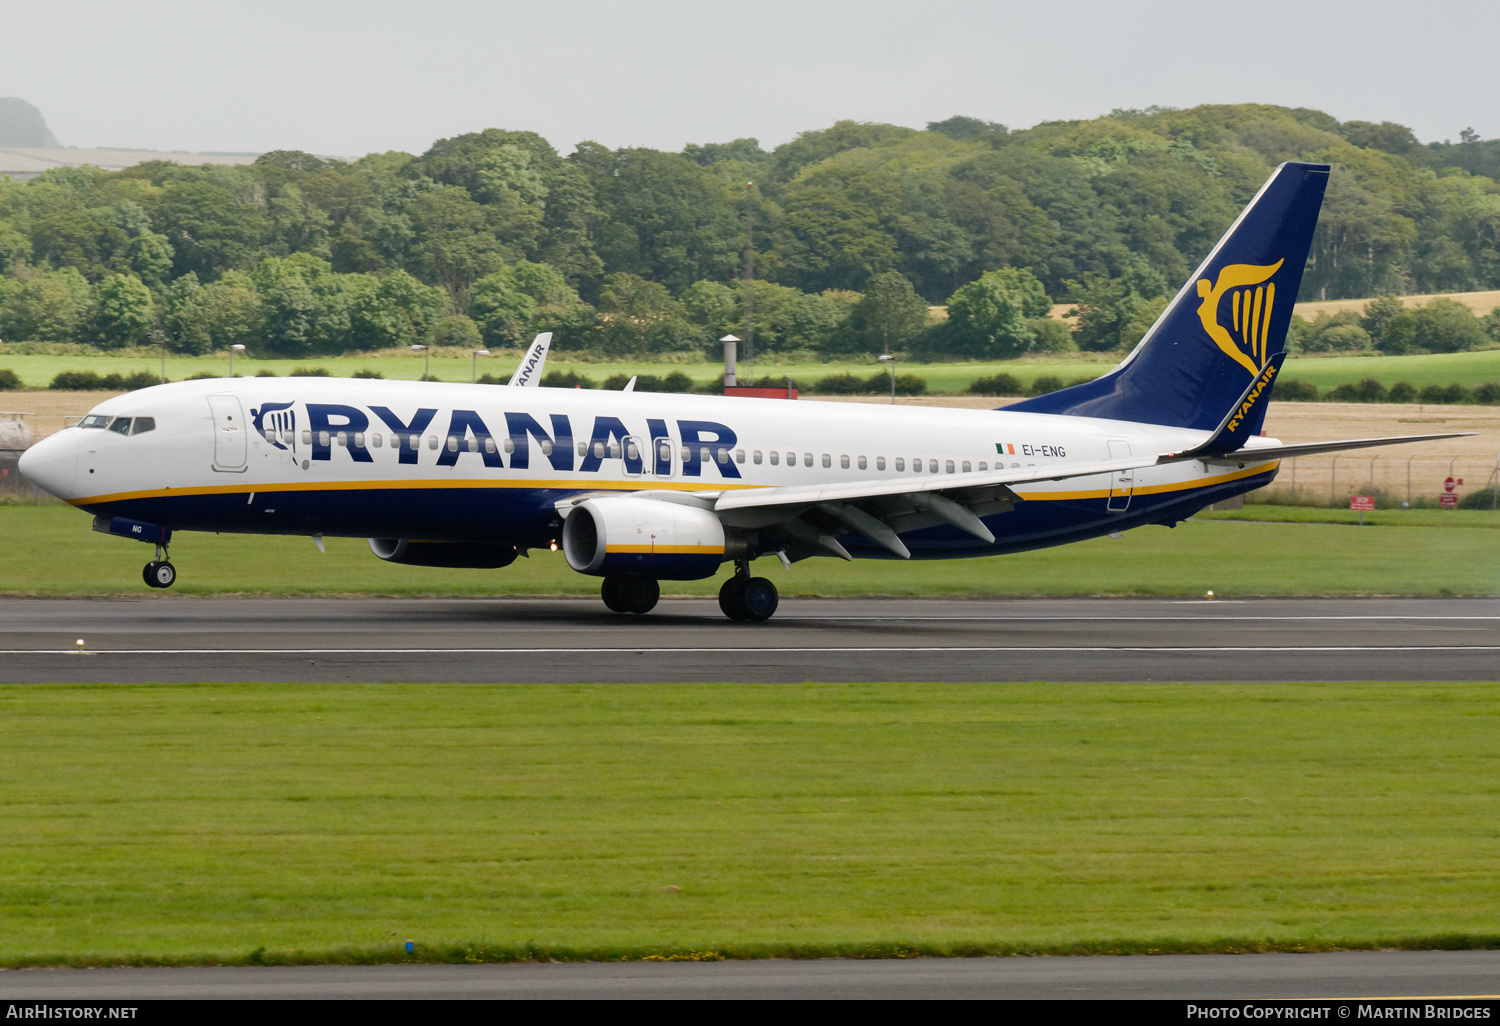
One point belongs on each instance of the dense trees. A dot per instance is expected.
(494, 235)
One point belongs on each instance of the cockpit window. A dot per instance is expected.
(142, 425)
(95, 420)
(120, 425)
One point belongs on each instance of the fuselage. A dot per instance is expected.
(451, 462)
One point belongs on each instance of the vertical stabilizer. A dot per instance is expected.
(1222, 328)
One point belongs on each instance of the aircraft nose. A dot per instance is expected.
(52, 463)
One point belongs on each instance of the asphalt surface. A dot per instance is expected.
(575, 640)
(1353, 975)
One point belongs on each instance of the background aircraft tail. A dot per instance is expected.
(1222, 328)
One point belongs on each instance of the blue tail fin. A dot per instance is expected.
(1221, 330)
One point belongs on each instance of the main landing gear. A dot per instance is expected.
(629, 593)
(746, 598)
(159, 573)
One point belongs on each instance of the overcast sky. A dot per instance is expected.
(347, 78)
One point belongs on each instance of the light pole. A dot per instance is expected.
(474, 365)
(887, 358)
(423, 350)
(236, 348)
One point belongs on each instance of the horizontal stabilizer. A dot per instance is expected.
(1283, 452)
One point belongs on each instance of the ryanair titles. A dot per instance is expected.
(521, 440)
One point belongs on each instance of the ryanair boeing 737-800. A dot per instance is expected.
(639, 488)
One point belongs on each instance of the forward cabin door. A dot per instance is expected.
(230, 437)
(1121, 482)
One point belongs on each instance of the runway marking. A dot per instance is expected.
(750, 650)
(1169, 619)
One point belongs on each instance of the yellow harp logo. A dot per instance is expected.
(1251, 299)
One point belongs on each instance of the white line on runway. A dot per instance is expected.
(751, 650)
(1169, 619)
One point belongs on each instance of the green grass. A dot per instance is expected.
(50, 550)
(1458, 518)
(275, 823)
(38, 371)
(1325, 372)
(1436, 369)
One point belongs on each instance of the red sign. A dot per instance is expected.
(1448, 500)
(1448, 485)
(1363, 503)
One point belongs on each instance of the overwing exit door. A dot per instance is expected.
(230, 439)
(1121, 482)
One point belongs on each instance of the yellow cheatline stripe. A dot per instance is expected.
(1176, 486)
(659, 550)
(640, 484)
(635, 485)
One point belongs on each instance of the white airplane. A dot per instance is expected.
(642, 487)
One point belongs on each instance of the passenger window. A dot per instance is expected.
(143, 424)
(631, 452)
(739, 456)
(844, 462)
(775, 458)
(967, 467)
(583, 448)
(947, 466)
(359, 439)
(723, 456)
(807, 459)
(452, 443)
(120, 425)
(489, 446)
(510, 446)
(827, 461)
(375, 439)
(932, 467)
(916, 465)
(879, 462)
(791, 459)
(343, 438)
(614, 450)
(599, 450)
(755, 457)
(432, 442)
(900, 463)
(665, 452)
(323, 438)
(306, 437)
(862, 464)
(474, 443)
(546, 446)
(1015, 466)
(983, 465)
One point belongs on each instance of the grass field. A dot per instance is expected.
(50, 550)
(1325, 372)
(267, 823)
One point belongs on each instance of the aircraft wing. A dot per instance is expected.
(529, 374)
(1282, 452)
(811, 516)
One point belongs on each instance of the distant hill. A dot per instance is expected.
(21, 124)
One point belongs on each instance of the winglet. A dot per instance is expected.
(530, 371)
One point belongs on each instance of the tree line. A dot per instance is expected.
(491, 236)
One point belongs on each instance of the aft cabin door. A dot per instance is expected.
(1121, 482)
(230, 437)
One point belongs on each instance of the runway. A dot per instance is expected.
(1352, 975)
(174, 639)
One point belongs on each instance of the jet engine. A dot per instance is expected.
(461, 555)
(649, 537)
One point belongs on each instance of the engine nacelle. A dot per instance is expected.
(457, 555)
(625, 535)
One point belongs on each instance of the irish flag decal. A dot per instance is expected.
(1004, 449)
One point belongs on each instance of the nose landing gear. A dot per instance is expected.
(748, 599)
(159, 573)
